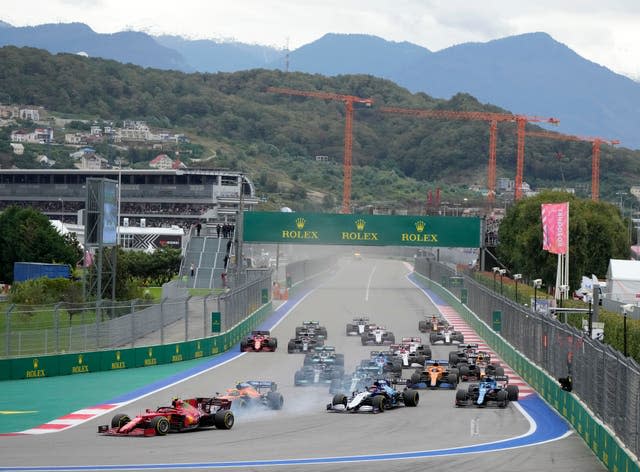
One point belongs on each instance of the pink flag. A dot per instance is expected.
(555, 227)
(88, 259)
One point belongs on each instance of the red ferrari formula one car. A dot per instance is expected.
(259, 341)
(182, 415)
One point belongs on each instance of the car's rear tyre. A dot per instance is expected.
(275, 400)
(291, 347)
(160, 425)
(364, 339)
(119, 420)
(411, 397)
(514, 392)
(378, 403)
(351, 329)
(224, 419)
(339, 399)
(464, 370)
(415, 378)
(499, 371)
(422, 326)
(453, 357)
(243, 346)
(453, 380)
(272, 343)
(461, 397)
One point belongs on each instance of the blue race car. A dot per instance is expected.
(380, 396)
(491, 390)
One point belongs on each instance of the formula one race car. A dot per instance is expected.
(359, 325)
(463, 354)
(479, 367)
(304, 343)
(447, 335)
(432, 323)
(259, 341)
(378, 335)
(324, 355)
(380, 396)
(411, 351)
(383, 363)
(360, 379)
(317, 374)
(490, 390)
(255, 393)
(312, 328)
(435, 374)
(182, 415)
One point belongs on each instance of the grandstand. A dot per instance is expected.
(148, 197)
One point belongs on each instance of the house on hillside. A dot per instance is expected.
(161, 161)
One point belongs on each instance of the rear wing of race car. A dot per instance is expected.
(414, 339)
(261, 333)
(358, 319)
(324, 349)
(430, 362)
(468, 346)
(261, 384)
(311, 323)
(501, 378)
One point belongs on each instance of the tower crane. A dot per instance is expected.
(493, 119)
(595, 154)
(348, 100)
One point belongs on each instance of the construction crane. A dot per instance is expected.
(348, 100)
(493, 119)
(595, 154)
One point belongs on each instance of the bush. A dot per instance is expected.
(43, 291)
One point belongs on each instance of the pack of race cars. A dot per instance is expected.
(378, 382)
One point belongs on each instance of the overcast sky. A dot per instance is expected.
(605, 32)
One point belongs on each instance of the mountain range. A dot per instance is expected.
(530, 74)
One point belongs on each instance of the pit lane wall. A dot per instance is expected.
(78, 363)
(607, 447)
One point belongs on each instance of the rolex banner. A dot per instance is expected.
(555, 227)
(361, 230)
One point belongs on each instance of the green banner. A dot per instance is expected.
(496, 321)
(361, 230)
(215, 322)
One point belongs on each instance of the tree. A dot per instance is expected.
(26, 235)
(597, 233)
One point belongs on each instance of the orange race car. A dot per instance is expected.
(254, 393)
(435, 374)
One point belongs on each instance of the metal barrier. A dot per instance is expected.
(65, 328)
(602, 378)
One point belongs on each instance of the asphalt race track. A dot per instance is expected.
(303, 436)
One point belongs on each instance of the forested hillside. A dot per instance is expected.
(234, 114)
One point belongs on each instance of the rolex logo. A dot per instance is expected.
(150, 352)
(118, 356)
(300, 222)
(80, 359)
(177, 349)
(360, 224)
(35, 363)
(420, 226)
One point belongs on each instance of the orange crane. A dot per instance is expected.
(595, 154)
(493, 119)
(348, 100)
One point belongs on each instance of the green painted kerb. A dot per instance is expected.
(361, 230)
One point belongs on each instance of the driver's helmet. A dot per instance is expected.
(176, 402)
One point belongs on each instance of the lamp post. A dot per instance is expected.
(495, 272)
(61, 209)
(626, 309)
(564, 290)
(502, 272)
(517, 277)
(537, 283)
